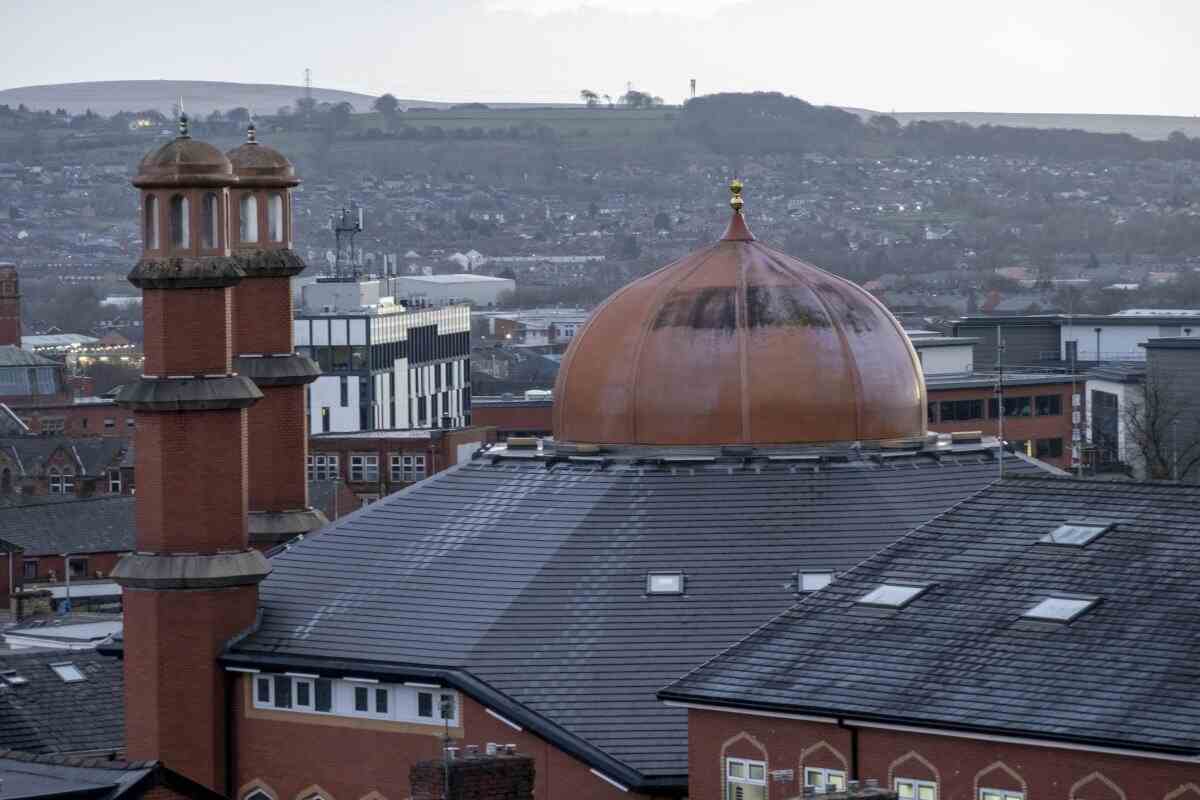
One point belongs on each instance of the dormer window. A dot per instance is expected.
(150, 209)
(1060, 609)
(1077, 533)
(179, 222)
(664, 583)
(892, 595)
(248, 213)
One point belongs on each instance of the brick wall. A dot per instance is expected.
(515, 418)
(290, 752)
(1031, 428)
(79, 420)
(473, 777)
(959, 766)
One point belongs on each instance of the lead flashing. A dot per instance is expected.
(189, 394)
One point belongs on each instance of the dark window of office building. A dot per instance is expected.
(1049, 405)
(960, 410)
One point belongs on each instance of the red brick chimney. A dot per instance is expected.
(10, 305)
(192, 584)
(261, 234)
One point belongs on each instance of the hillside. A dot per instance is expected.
(199, 97)
(1141, 126)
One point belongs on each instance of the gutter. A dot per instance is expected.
(481, 692)
(981, 732)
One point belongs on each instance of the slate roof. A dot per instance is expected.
(523, 581)
(961, 656)
(27, 776)
(103, 524)
(91, 454)
(13, 356)
(48, 715)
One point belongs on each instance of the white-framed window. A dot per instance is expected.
(68, 481)
(114, 481)
(412, 467)
(322, 467)
(396, 471)
(364, 467)
(664, 583)
(55, 481)
(109, 423)
(1000, 794)
(355, 698)
(823, 780)
(745, 780)
(911, 789)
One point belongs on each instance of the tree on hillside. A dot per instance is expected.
(240, 115)
(608, 100)
(305, 106)
(590, 98)
(662, 221)
(635, 99)
(215, 116)
(387, 106)
(339, 115)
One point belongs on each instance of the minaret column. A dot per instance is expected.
(192, 584)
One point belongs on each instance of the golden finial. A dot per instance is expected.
(735, 202)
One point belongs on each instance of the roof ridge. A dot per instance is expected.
(89, 762)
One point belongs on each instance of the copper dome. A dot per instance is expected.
(739, 344)
(257, 164)
(184, 161)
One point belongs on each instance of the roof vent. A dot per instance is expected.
(892, 595)
(524, 442)
(1060, 609)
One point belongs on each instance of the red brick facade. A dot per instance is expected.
(959, 766)
(288, 753)
(1029, 429)
(78, 419)
(10, 306)
(515, 417)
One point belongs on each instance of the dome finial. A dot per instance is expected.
(251, 134)
(735, 202)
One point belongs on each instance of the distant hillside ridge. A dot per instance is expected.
(1148, 127)
(199, 97)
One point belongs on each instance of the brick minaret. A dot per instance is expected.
(192, 585)
(261, 229)
(10, 306)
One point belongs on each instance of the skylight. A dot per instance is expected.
(68, 672)
(1060, 609)
(664, 583)
(11, 677)
(892, 595)
(1076, 533)
(812, 581)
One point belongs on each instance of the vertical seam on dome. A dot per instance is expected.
(847, 355)
(662, 292)
(741, 324)
(563, 368)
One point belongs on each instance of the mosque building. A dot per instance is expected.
(733, 432)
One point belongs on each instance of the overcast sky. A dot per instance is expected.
(1099, 56)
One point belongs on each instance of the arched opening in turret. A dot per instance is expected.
(210, 233)
(180, 222)
(248, 214)
(150, 209)
(275, 216)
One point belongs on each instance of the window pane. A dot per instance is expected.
(447, 706)
(324, 694)
(904, 790)
(303, 693)
(381, 701)
(757, 771)
(926, 793)
(837, 779)
(264, 690)
(283, 692)
(737, 769)
(424, 704)
(361, 697)
(248, 215)
(813, 777)
(209, 218)
(180, 222)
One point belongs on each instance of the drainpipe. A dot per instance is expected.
(841, 723)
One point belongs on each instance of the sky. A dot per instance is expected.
(1053, 56)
